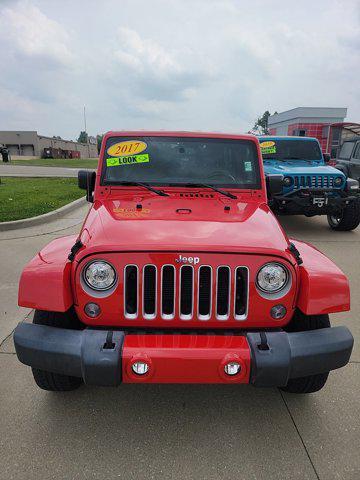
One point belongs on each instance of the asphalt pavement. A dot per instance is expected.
(9, 170)
(176, 431)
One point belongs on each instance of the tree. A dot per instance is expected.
(83, 137)
(261, 124)
(99, 138)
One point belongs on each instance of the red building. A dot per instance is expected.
(324, 123)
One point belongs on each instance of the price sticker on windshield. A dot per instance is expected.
(268, 147)
(126, 148)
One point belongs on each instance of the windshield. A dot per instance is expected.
(181, 160)
(346, 150)
(274, 149)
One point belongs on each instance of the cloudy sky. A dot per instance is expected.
(173, 64)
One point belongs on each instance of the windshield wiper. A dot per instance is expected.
(205, 185)
(145, 185)
(297, 158)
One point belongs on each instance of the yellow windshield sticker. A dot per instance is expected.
(268, 147)
(129, 147)
(116, 162)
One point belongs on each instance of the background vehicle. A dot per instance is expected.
(181, 273)
(349, 158)
(51, 152)
(310, 186)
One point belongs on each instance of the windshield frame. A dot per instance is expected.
(258, 186)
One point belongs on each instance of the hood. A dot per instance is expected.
(299, 167)
(182, 223)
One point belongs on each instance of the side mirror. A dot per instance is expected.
(86, 181)
(274, 184)
(327, 157)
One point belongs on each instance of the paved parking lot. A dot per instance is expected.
(175, 431)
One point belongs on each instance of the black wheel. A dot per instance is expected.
(54, 381)
(312, 383)
(346, 219)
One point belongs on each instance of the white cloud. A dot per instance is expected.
(154, 72)
(27, 31)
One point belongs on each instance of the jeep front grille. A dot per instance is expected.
(313, 181)
(202, 292)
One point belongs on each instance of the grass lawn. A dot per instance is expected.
(27, 197)
(58, 162)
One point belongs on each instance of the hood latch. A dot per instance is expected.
(74, 249)
(296, 253)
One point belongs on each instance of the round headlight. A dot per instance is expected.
(287, 181)
(272, 278)
(338, 181)
(99, 275)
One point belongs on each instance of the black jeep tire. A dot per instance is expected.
(54, 381)
(302, 323)
(346, 220)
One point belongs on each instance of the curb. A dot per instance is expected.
(45, 218)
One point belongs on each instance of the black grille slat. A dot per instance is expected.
(205, 291)
(241, 291)
(223, 290)
(186, 293)
(131, 290)
(149, 290)
(168, 290)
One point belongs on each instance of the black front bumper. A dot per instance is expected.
(275, 356)
(312, 201)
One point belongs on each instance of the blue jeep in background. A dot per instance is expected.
(310, 187)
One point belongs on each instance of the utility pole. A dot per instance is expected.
(87, 136)
(85, 119)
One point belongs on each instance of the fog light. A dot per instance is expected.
(232, 368)
(278, 311)
(140, 368)
(92, 310)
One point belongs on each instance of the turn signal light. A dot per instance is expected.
(278, 312)
(92, 310)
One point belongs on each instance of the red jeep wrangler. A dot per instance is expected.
(181, 274)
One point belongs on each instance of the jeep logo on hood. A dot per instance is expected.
(191, 260)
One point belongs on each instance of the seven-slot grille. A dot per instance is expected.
(314, 181)
(194, 293)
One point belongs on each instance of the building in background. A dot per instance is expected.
(30, 144)
(324, 123)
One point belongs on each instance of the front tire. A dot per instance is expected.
(312, 383)
(347, 219)
(54, 381)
